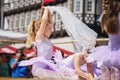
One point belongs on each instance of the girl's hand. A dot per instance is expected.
(44, 8)
(18, 55)
(91, 77)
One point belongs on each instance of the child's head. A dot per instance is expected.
(3, 57)
(110, 18)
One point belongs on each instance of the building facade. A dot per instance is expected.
(19, 13)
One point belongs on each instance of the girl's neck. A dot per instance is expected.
(46, 37)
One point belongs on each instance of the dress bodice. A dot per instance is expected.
(69, 62)
(44, 48)
(114, 42)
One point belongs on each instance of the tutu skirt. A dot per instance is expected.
(44, 74)
(104, 55)
(62, 71)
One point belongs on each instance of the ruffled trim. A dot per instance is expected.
(106, 56)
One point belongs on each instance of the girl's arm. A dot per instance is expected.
(89, 69)
(77, 63)
(13, 65)
(44, 19)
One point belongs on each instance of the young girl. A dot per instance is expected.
(39, 31)
(110, 55)
(82, 66)
(46, 70)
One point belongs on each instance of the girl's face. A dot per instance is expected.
(48, 29)
(3, 58)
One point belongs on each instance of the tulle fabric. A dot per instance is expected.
(41, 62)
(83, 37)
(112, 73)
(44, 74)
(105, 56)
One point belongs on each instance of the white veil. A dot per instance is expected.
(83, 37)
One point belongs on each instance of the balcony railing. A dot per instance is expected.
(16, 4)
(19, 4)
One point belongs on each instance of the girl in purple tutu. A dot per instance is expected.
(39, 31)
(84, 67)
(109, 56)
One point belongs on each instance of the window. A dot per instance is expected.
(11, 24)
(27, 18)
(33, 14)
(21, 3)
(22, 19)
(6, 7)
(16, 22)
(15, 4)
(89, 6)
(78, 6)
(26, 2)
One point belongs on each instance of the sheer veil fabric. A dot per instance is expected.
(83, 37)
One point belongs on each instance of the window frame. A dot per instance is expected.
(92, 6)
(81, 6)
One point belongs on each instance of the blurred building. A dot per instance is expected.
(19, 13)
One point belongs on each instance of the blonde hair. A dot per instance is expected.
(38, 22)
(33, 26)
(30, 34)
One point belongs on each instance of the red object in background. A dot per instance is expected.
(12, 50)
(8, 49)
(1, 51)
(68, 53)
(47, 1)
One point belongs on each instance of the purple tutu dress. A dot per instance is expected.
(109, 55)
(44, 50)
(44, 54)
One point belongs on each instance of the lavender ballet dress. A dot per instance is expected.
(44, 50)
(109, 55)
(44, 54)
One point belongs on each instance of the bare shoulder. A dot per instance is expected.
(40, 39)
(78, 54)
